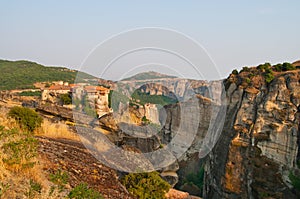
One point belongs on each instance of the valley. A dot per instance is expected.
(176, 121)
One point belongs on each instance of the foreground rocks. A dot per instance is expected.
(175, 194)
(81, 166)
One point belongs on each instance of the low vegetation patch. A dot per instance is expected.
(30, 93)
(3, 188)
(19, 149)
(34, 189)
(60, 178)
(82, 191)
(266, 70)
(146, 185)
(143, 98)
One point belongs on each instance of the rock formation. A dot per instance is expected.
(258, 146)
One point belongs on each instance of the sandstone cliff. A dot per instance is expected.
(258, 147)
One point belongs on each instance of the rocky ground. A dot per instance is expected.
(73, 157)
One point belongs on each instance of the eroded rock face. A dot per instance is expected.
(256, 150)
(172, 87)
(258, 146)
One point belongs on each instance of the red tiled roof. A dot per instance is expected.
(59, 87)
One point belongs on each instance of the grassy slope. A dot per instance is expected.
(153, 99)
(23, 74)
(148, 75)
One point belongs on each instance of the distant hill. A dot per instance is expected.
(23, 74)
(148, 75)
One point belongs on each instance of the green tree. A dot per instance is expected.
(287, 66)
(264, 66)
(235, 72)
(269, 77)
(245, 69)
(146, 185)
(27, 119)
(65, 99)
(278, 67)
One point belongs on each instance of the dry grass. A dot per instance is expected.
(5, 120)
(57, 130)
(15, 179)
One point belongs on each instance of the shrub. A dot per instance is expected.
(268, 70)
(34, 188)
(65, 99)
(27, 119)
(235, 72)
(37, 187)
(19, 149)
(146, 185)
(295, 181)
(82, 191)
(196, 178)
(145, 120)
(251, 75)
(59, 177)
(264, 66)
(269, 77)
(245, 69)
(287, 66)
(3, 188)
(278, 67)
(248, 80)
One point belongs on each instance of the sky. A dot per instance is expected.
(233, 34)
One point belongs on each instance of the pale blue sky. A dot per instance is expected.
(235, 33)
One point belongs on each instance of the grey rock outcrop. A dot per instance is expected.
(259, 143)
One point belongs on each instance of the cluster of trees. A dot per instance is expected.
(266, 69)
